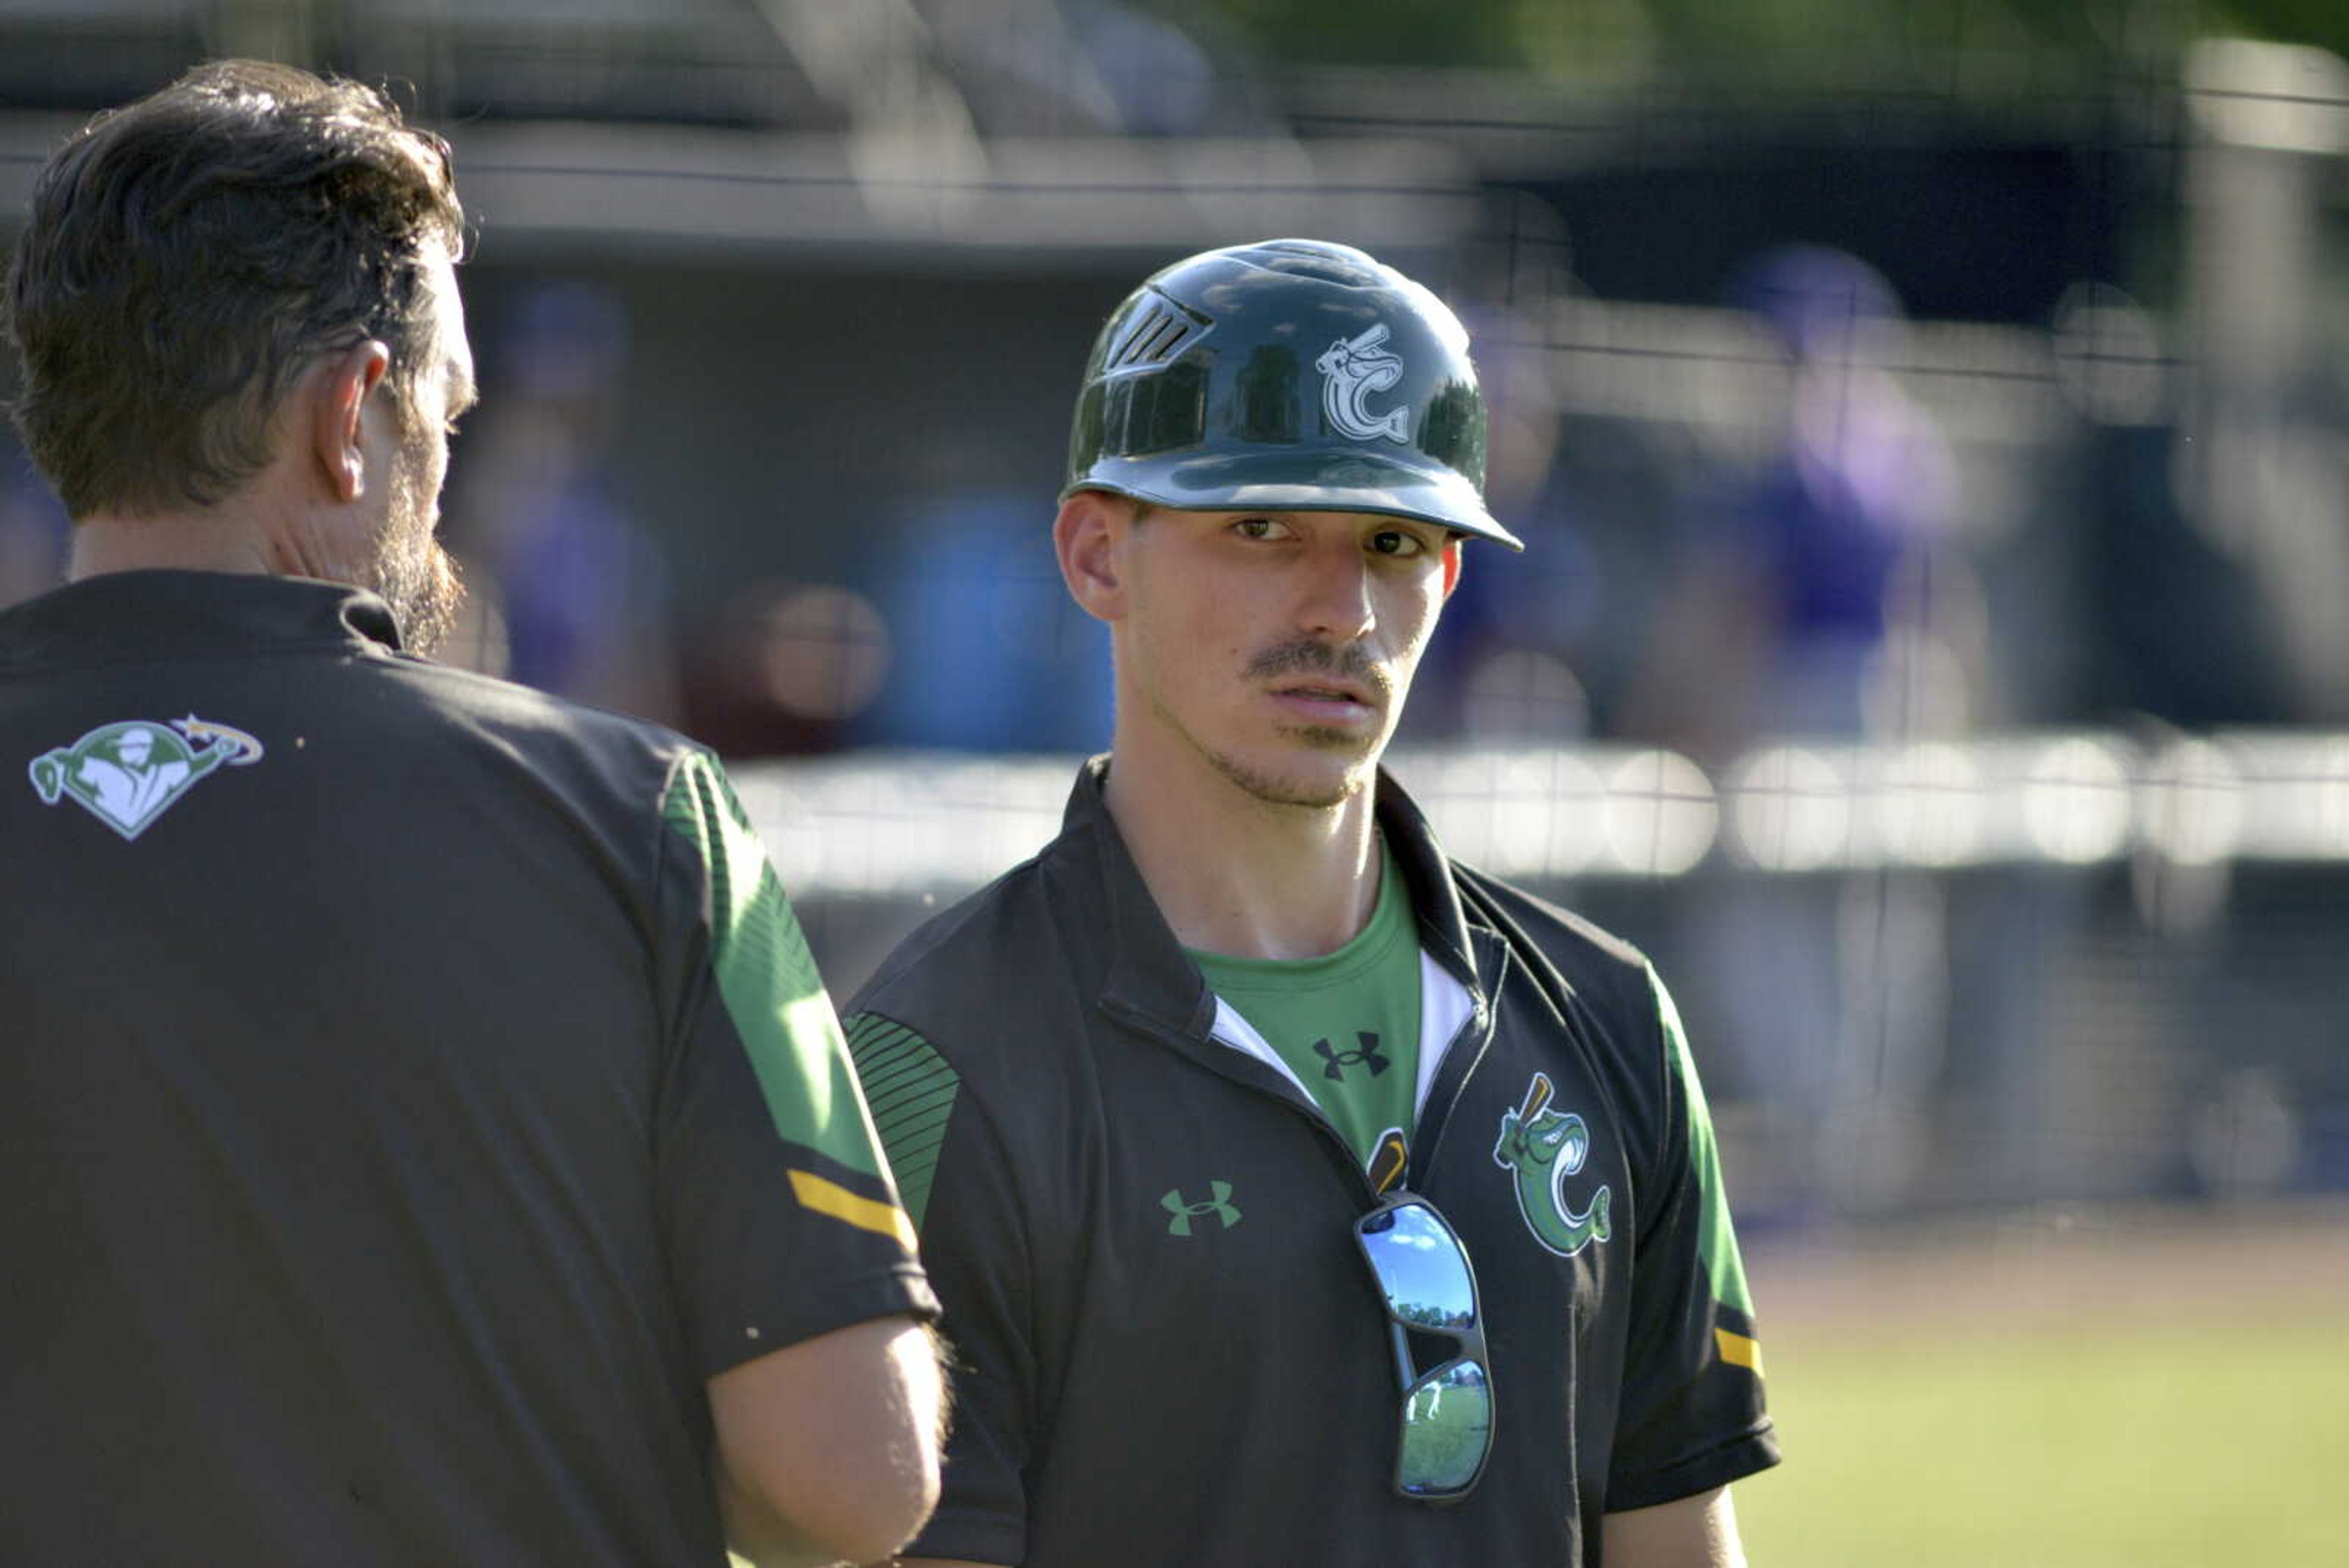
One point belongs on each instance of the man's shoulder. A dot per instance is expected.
(544, 730)
(1593, 959)
(1587, 973)
(504, 755)
(1016, 945)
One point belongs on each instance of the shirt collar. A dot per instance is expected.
(1149, 969)
(177, 615)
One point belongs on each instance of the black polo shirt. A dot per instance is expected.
(1168, 1348)
(412, 1088)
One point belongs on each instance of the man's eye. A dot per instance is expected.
(1397, 542)
(1259, 528)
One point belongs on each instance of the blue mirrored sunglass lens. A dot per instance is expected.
(1447, 1424)
(1420, 1267)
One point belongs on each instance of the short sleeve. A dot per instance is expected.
(782, 1218)
(1692, 1415)
(962, 1190)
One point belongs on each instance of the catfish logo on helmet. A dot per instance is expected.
(1351, 370)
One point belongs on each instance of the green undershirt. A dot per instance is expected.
(1347, 1023)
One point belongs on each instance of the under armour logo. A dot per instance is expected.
(1218, 1203)
(1367, 1057)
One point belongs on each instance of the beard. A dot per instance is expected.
(412, 574)
(425, 594)
(1317, 793)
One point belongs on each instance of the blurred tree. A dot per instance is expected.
(1395, 32)
(1789, 40)
(2324, 22)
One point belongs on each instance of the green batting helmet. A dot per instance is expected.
(1290, 376)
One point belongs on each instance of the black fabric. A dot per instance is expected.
(1218, 1393)
(345, 1107)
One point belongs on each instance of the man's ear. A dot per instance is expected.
(1088, 536)
(1453, 558)
(338, 391)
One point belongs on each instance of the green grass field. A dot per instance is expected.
(2129, 1432)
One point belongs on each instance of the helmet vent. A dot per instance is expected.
(1160, 331)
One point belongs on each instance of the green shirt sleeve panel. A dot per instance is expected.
(1691, 1411)
(777, 1211)
(1716, 1241)
(912, 1090)
(766, 978)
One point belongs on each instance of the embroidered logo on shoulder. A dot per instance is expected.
(128, 774)
(1351, 370)
(1542, 1148)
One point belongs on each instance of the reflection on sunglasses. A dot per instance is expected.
(1422, 1271)
(1447, 1426)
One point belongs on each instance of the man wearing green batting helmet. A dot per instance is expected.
(1294, 1193)
(1291, 376)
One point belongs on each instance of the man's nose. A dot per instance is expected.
(1334, 601)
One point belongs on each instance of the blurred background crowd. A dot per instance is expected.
(1926, 421)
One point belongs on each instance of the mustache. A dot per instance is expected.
(1310, 656)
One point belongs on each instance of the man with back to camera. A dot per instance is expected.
(426, 1138)
(1295, 1194)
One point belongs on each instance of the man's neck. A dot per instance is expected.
(209, 540)
(1236, 875)
(274, 525)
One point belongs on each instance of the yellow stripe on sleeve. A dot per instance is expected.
(830, 1198)
(1735, 1349)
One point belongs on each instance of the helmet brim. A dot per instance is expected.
(1360, 481)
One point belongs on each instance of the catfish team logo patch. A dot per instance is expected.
(1352, 369)
(126, 774)
(1542, 1148)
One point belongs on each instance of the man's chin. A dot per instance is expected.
(1321, 782)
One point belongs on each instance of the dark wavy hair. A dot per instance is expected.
(190, 256)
